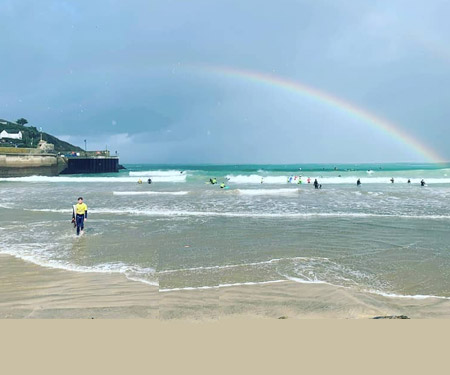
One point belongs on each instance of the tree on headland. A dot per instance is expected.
(22, 121)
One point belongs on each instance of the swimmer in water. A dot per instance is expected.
(358, 183)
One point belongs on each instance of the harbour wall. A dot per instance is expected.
(17, 162)
(27, 164)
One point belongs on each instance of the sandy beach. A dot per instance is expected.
(31, 291)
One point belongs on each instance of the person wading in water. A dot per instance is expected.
(79, 215)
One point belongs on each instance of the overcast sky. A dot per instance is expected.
(128, 74)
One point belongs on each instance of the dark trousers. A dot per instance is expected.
(80, 223)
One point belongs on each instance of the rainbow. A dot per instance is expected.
(392, 130)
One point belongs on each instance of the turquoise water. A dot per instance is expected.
(181, 232)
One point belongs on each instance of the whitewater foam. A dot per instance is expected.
(163, 290)
(202, 268)
(56, 179)
(150, 192)
(157, 173)
(405, 296)
(267, 191)
(39, 254)
(348, 180)
(245, 214)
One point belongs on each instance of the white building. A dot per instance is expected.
(11, 134)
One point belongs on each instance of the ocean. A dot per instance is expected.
(182, 233)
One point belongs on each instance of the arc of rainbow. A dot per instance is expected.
(344, 106)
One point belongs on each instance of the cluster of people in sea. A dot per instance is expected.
(422, 182)
(290, 180)
(149, 181)
(213, 181)
(298, 180)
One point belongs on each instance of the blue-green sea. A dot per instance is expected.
(268, 225)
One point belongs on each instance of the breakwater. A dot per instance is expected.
(26, 164)
(16, 162)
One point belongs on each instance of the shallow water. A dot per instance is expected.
(182, 233)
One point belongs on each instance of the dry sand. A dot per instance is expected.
(31, 291)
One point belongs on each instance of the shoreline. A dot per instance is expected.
(28, 290)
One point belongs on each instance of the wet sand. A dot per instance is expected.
(31, 291)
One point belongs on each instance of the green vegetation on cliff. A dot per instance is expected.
(31, 137)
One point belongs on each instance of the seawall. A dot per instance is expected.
(26, 164)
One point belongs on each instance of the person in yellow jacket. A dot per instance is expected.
(79, 215)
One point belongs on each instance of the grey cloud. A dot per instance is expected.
(105, 69)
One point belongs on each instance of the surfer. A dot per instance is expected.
(79, 215)
(422, 183)
(222, 185)
(392, 180)
(409, 180)
(213, 181)
(358, 183)
(308, 180)
(149, 181)
(262, 179)
(139, 181)
(316, 183)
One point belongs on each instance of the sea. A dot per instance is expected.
(183, 233)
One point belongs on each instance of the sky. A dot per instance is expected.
(142, 77)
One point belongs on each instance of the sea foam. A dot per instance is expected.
(150, 192)
(350, 180)
(157, 173)
(180, 178)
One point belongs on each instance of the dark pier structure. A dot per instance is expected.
(91, 162)
(91, 165)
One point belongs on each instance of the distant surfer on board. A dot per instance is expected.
(79, 215)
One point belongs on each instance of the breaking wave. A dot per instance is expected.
(179, 178)
(277, 180)
(157, 173)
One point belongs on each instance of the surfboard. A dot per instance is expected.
(74, 222)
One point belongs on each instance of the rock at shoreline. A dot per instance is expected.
(392, 317)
